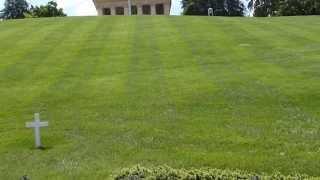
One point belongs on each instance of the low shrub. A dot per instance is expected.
(168, 173)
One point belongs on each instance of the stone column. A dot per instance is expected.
(113, 10)
(139, 8)
(126, 11)
(153, 9)
(167, 9)
(100, 12)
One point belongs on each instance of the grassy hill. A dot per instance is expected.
(237, 93)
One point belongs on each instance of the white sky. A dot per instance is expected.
(86, 7)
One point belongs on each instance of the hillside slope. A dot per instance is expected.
(238, 93)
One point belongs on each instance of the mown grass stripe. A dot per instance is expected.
(85, 32)
(12, 32)
(229, 43)
(24, 78)
(211, 67)
(24, 46)
(42, 83)
(285, 73)
(286, 104)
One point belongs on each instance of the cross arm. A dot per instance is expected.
(33, 124)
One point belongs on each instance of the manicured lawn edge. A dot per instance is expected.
(168, 173)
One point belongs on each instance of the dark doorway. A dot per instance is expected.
(134, 10)
(106, 11)
(119, 11)
(146, 9)
(159, 9)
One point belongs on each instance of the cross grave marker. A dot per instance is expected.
(37, 124)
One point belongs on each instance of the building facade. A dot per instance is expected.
(138, 7)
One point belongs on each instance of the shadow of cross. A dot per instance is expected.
(37, 124)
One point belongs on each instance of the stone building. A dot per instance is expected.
(138, 7)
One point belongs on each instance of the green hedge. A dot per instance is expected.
(168, 173)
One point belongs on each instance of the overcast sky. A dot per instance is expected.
(86, 7)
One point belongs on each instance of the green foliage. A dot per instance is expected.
(14, 9)
(220, 7)
(49, 10)
(299, 7)
(284, 7)
(263, 8)
(168, 173)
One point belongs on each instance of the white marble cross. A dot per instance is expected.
(37, 125)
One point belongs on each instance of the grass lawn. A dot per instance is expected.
(236, 93)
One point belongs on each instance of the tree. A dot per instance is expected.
(1, 15)
(220, 7)
(235, 8)
(14, 9)
(299, 7)
(284, 7)
(313, 7)
(195, 7)
(49, 10)
(263, 8)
